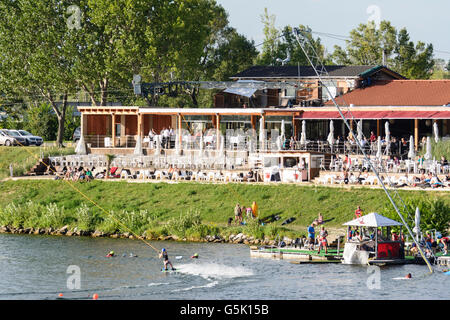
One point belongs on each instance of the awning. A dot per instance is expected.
(373, 220)
(246, 92)
(391, 114)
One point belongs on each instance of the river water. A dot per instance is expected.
(36, 267)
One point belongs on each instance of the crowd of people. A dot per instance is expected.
(75, 174)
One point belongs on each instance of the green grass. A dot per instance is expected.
(24, 158)
(163, 205)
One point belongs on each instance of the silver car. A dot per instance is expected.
(32, 139)
(9, 138)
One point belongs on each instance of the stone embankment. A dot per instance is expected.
(65, 231)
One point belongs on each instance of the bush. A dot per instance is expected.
(434, 214)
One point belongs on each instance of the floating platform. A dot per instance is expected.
(296, 255)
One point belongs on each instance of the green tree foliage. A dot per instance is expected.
(368, 45)
(45, 55)
(41, 121)
(279, 44)
(414, 61)
(35, 62)
(272, 40)
(434, 214)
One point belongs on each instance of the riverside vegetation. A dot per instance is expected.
(193, 211)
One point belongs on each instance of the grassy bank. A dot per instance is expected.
(185, 209)
(24, 158)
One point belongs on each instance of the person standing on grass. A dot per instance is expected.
(237, 214)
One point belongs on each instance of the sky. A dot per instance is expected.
(426, 21)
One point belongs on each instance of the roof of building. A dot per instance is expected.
(399, 93)
(308, 71)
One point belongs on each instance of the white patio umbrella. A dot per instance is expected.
(330, 138)
(388, 135)
(282, 137)
(428, 154)
(81, 146)
(262, 136)
(416, 228)
(222, 145)
(379, 148)
(303, 134)
(436, 132)
(138, 147)
(158, 144)
(411, 153)
(201, 145)
(360, 130)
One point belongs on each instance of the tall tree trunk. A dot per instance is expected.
(61, 122)
(104, 92)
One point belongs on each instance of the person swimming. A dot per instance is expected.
(163, 254)
(408, 276)
(195, 256)
(110, 254)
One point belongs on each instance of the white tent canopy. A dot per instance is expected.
(373, 220)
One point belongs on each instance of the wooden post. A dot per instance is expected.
(253, 121)
(416, 133)
(113, 130)
(378, 127)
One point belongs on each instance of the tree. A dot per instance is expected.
(367, 44)
(413, 61)
(271, 42)
(385, 46)
(289, 44)
(35, 62)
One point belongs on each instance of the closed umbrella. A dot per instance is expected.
(81, 146)
(303, 135)
(283, 134)
(201, 145)
(411, 153)
(138, 147)
(360, 131)
(436, 132)
(428, 154)
(379, 148)
(262, 135)
(388, 136)
(416, 228)
(330, 138)
(158, 144)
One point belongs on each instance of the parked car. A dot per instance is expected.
(77, 134)
(32, 139)
(5, 139)
(10, 137)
